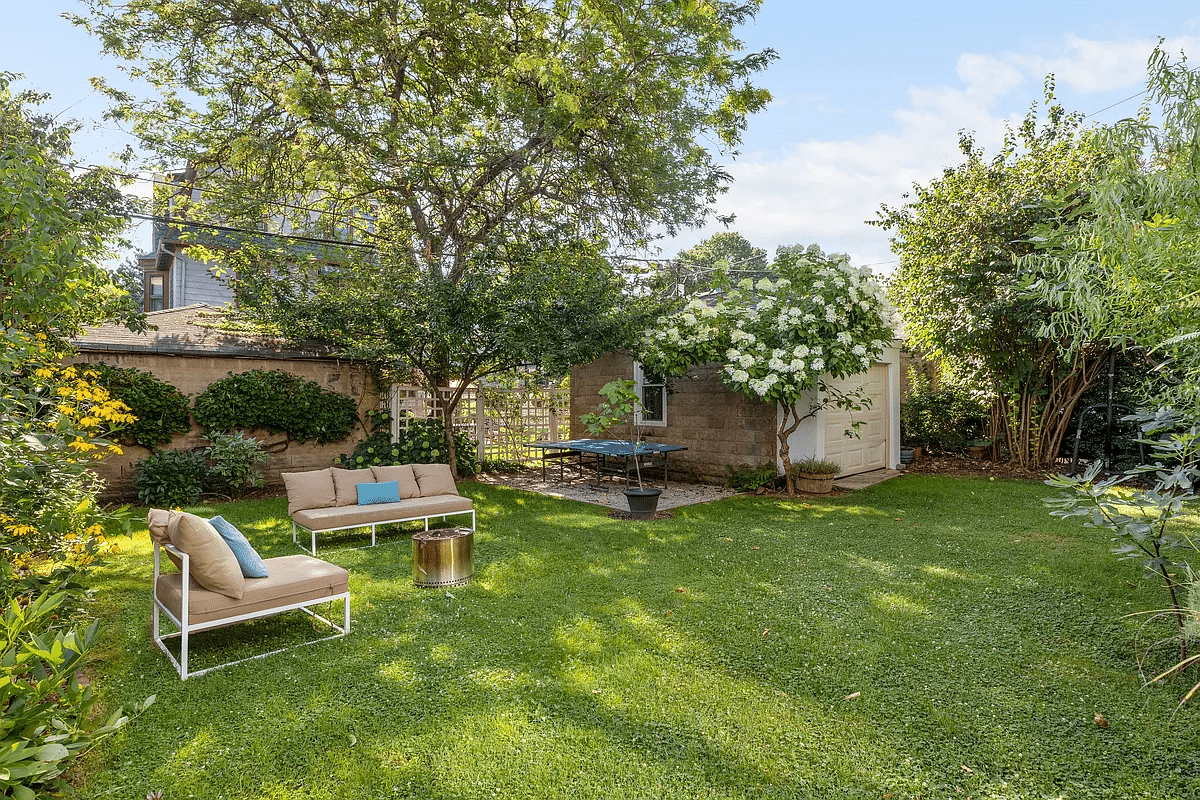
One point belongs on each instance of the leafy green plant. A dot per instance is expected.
(234, 461)
(46, 715)
(160, 408)
(618, 405)
(945, 418)
(500, 465)
(170, 478)
(278, 401)
(1147, 523)
(814, 466)
(746, 478)
(423, 442)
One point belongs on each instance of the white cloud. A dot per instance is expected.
(823, 191)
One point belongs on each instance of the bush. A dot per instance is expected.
(234, 458)
(278, 401)
(160, 408)
(942, 419)
(746, 478)
(46, 713)
(170, 478)
(423, 443)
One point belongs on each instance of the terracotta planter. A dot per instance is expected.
(977, 450)
(813, 483)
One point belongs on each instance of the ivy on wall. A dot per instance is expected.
(278, 401)
(160, 408)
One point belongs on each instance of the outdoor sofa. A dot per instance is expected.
(336, 499)
(222, 581)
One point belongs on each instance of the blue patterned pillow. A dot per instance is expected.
(371, 493)
(251, 563)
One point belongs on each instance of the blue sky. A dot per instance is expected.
(868, 97)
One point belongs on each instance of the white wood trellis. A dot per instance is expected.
(501, 420)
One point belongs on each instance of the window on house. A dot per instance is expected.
(156, 291)
(652, 391)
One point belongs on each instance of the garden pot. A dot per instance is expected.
(814, 483)
(977, 450)
(642, 502)
(918, 451)
(906, 455)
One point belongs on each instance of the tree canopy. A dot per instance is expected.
(472, 144)
(959, 285)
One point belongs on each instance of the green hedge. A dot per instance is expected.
(423, 443)
(278, 401)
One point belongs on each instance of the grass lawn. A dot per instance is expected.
(929, 637)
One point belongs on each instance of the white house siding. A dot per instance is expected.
(821, 436)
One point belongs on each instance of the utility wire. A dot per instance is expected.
(229, 229)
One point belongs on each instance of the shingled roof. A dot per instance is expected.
(192, 330)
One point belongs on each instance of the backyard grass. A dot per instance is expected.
(929, 637)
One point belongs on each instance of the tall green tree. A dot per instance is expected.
(959, 283)
(1127, 267)
(457, 137)
(718, 259)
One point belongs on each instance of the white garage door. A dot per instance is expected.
(869, 451)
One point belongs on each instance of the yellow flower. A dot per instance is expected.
(43, 373)
(82, 445)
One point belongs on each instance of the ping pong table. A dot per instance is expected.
(611, 456)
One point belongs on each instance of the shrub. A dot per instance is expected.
(46, 713)
(746, 478)
(942, 419)
(500, 465)
(169, 478)
(234, 459)
(160, 408)
(424, 442)
(278, 401)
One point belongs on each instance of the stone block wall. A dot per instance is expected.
(719, 427)
(192, 375)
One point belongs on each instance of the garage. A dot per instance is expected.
(870, 449)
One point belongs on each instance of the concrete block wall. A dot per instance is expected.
(192, 375)
(719, 427)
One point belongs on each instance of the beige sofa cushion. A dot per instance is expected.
(309, 489)
(213, 564)
(402, 474)
(346, 482)
(293, 579)
(434, 479)
(325, 519)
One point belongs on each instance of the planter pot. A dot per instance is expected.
(642, 502)
(906, 455)
(918, 451)
(977, 450)
(813, 483)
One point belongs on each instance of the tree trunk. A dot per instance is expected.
(785, 453)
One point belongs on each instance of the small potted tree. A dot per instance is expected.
(815, 476)
(619, 405)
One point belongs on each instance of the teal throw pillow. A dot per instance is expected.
(371, 493)
(251, 563)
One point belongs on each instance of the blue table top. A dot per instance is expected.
(608, 447)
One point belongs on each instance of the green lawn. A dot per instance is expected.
(929, 637)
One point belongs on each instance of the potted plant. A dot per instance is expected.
(619, 404)
(977, 448)
(815, 476)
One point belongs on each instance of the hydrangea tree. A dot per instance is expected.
(783, 340)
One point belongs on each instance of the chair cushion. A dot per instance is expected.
(402, 474)
(434, 479)
(157, 520)
(346, 483)
(294, 579)
(372, 493)
(213, 564)
(248, 559)
(309, 489)
(326, 519)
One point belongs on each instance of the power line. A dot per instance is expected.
(1114, 105)
(231, 229)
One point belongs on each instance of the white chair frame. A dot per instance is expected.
(186, 628)
(371, 525)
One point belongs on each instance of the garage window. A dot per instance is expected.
(652, 391)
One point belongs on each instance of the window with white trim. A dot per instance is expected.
(652, 392)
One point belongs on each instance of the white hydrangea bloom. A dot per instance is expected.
(859, 351)
(818, 364)
(800, 351)
(843, 337)
(740, 375)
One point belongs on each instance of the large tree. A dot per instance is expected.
(464, 140)
(1127, 268)
(959, 286)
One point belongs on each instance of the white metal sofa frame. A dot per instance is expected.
(314, 531)
(186, 628)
